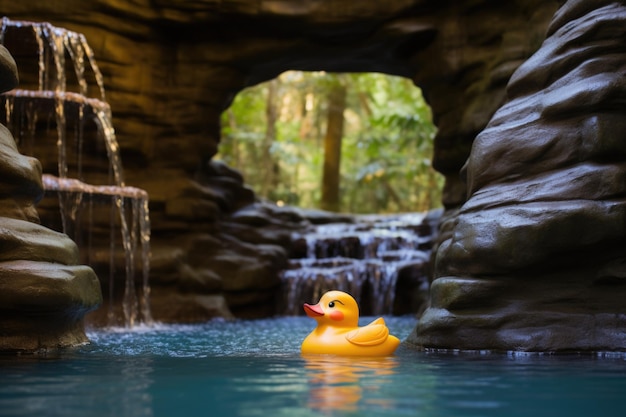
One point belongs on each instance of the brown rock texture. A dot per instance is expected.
(536, 260)
(171, 67)
(44, 294)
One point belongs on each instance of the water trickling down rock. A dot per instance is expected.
(44, 293)
(30, 113)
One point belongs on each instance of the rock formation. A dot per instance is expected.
(532, 260)
(170, 69)
(537, 256)
(44, 294)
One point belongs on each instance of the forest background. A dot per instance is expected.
(355, 143)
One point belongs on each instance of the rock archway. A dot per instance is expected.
(172, 67)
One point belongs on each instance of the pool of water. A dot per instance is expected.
(254, 368)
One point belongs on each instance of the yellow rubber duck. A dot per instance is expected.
(338, 332)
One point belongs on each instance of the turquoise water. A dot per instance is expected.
(253, 368)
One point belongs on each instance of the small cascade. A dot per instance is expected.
(60, 116)
(368, 259)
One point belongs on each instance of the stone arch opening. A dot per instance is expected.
(276, 134)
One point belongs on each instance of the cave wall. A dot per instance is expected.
(172, 67)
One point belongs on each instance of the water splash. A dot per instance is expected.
(25, 107)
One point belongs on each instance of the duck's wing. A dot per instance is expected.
(379, 320)
(371, 335)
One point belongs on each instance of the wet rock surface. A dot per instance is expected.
(535, 259)
(44, 294)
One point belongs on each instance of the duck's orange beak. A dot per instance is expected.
(313, 311)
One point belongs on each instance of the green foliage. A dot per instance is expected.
(386, 149)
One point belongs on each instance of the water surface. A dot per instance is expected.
(254, 368)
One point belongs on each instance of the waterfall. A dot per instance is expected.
(364, 258)
(50, 100)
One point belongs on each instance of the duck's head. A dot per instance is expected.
(335, 308)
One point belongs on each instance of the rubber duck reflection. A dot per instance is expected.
(345, 383)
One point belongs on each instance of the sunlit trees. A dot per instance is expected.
(358, 143)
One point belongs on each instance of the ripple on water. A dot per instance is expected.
(266, 337)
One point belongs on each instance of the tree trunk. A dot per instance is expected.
(268, 165)
(332, 147)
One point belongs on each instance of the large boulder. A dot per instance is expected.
(536, 259)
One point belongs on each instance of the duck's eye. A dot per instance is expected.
(332, 303)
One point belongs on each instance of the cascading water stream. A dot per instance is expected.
(365, 259)
(27, 107)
